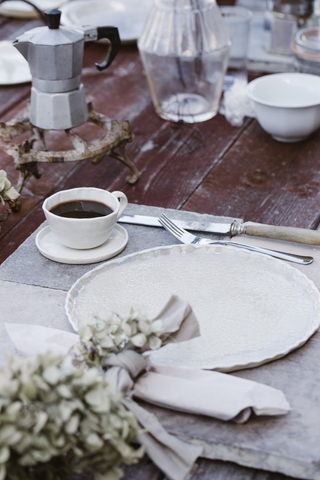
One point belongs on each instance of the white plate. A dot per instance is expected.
(23, 10)
(251, 308)
(54, 250)
(14, 68)
(128, 15)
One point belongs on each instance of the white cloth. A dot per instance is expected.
(236, 104)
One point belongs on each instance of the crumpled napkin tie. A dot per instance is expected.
(184, 389)
(236, 104)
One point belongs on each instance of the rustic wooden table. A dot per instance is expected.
(209, 167)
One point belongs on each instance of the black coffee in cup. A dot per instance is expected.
(81, 209)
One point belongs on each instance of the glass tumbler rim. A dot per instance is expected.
(235, 14)
(185, 5)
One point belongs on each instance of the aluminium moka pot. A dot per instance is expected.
(55, 55)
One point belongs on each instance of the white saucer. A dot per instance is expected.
(14, 68)
(54, 250)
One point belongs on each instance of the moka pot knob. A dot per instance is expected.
(53, 18)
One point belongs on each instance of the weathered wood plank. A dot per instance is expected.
(144, 470)
(10, 96)
(217, 470)
(200, 167)
(20, 231)
(172, 161)
(175, 160)
(167, 157)
(53, 174)
(206, 470)
(262, 180)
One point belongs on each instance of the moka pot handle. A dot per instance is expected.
(112, 34)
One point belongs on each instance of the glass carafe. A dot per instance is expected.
(185, 48)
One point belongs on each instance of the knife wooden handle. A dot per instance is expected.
(290, 234)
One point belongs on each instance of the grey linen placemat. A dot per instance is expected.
(28, 266)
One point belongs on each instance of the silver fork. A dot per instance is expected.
(188, 238)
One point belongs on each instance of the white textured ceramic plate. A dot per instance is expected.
(14, 67)
(23, 10)
(50, 248)
(128, 15)
(251, 308)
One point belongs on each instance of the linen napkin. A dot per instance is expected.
(189, 390)
(185, 389)
(210, 393)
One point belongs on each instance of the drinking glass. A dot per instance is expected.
(238, 21)
(184, 48)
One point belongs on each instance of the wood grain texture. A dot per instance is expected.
(206, 470)
(144, 470)
(289, 234)
(209, 167)
(217, 470)
(173, 160)
(265, 181)
(13, 232)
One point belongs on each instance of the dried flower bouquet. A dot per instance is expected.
(57, 421)
(8, 194)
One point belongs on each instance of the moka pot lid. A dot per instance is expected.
(53, 34)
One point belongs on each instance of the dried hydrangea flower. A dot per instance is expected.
(56, 422)
(7, 192)
(110, 333)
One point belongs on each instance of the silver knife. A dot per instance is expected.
(290, 234)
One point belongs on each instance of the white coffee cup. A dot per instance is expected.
(84, 233)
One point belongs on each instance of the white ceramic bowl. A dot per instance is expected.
(287, 105)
